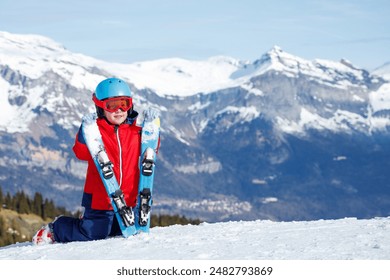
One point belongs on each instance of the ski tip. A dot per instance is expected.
(129, 231)
(88, 118)
(157, 121)
(151, 114)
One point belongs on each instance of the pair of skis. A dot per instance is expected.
(130, 221)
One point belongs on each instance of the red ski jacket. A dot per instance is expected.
(122, 144)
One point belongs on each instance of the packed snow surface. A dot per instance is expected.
(343, 239)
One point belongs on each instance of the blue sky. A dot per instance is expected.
(133, 30)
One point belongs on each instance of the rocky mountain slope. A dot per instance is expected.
(281, 137)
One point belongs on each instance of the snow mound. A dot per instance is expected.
(343, 239)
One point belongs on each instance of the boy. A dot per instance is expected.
(122, 139)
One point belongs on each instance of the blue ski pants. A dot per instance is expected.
(94, 225)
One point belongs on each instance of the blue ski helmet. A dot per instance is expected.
(112, 87)
(109, 88)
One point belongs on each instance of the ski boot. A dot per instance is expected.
(43, 236)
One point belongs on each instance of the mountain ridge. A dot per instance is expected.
(227, 152)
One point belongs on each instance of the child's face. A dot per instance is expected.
(117, 117)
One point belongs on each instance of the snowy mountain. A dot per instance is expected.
(383, 70)
(280, 138)
(344, 239)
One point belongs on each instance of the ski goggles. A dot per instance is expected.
(113, 104)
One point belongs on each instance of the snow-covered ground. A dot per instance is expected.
(326, 249)
(344, 239)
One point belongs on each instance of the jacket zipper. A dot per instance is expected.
(120, 155)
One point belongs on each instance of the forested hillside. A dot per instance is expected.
(21, 216)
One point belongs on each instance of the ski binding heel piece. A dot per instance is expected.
(105, 164)
(124, 211)
(148, 162)
(144, 214)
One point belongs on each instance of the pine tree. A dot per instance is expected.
(37, 204)
(2, 232)
(22, 203)
(8, 202)
(48, 210)
(1, 198)
(167, 220)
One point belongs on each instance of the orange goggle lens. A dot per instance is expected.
(113, 104)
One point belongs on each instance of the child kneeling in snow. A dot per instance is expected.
(122, 139)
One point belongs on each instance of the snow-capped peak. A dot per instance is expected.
(180, 77)
(28, 44)
(383, 70)
(275, 52)
(33, 55)
(277, 56)
(340, 74)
